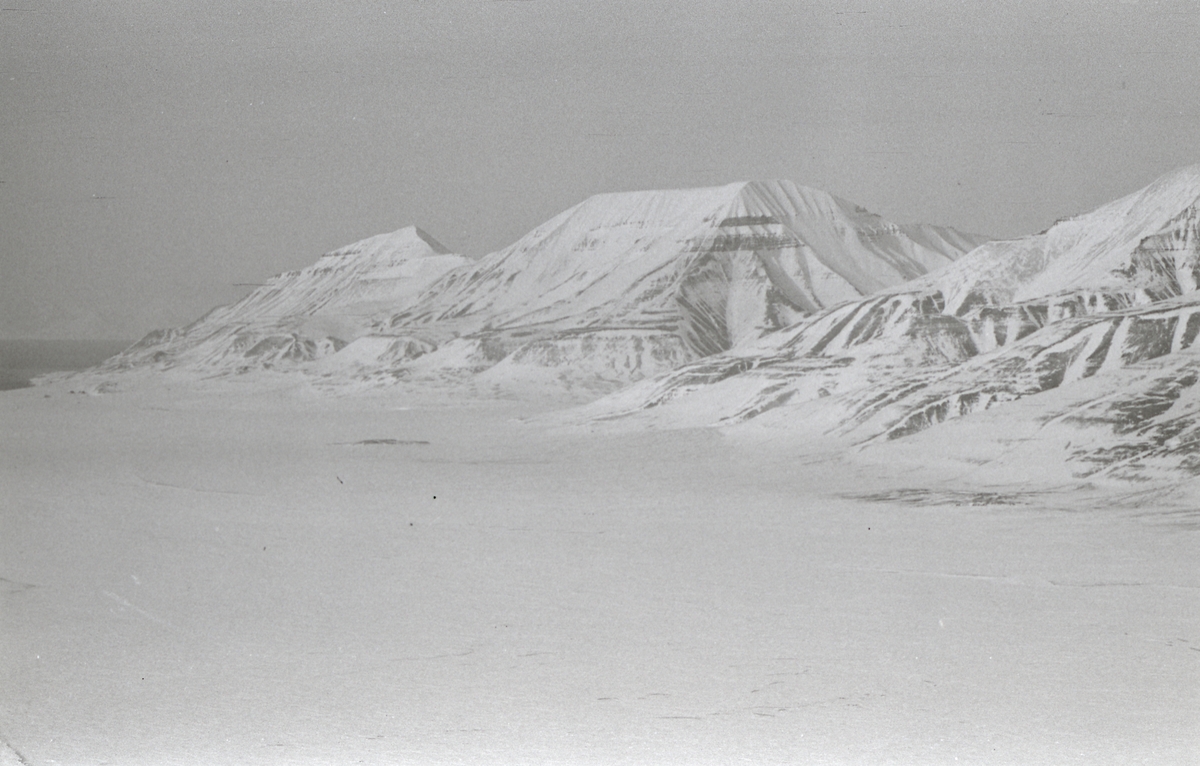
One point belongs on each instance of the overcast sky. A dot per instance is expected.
(155, 154)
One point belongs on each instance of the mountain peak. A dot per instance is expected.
(424, 236)
(411, 240)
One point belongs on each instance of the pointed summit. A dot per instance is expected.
(408, 242)
(423, 235)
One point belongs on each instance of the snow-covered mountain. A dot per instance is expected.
(1098, 295)
(630, 285)
(769, 305)
(705, 257)
(1134, 250)
(303, 315)
(617, 288)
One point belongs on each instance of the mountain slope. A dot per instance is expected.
(1091, 296)
(302, 315)
(1116, 250)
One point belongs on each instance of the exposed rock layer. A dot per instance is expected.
(1092, 296)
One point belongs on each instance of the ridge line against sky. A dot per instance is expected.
(155, 155)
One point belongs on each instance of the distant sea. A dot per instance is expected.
(21, 360)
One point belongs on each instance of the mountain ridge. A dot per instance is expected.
(692, 272)
(1093, 296)
(301, 315)
(646, 280)
(768, 306)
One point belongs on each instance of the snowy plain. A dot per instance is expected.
(266, 573)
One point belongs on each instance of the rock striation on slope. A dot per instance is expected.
(630, 285)
(618, 288)
(1093, 295)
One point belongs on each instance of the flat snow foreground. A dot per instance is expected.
(272, 576)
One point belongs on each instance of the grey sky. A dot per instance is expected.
(153, 154)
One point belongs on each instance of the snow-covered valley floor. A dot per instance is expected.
(236, 577)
